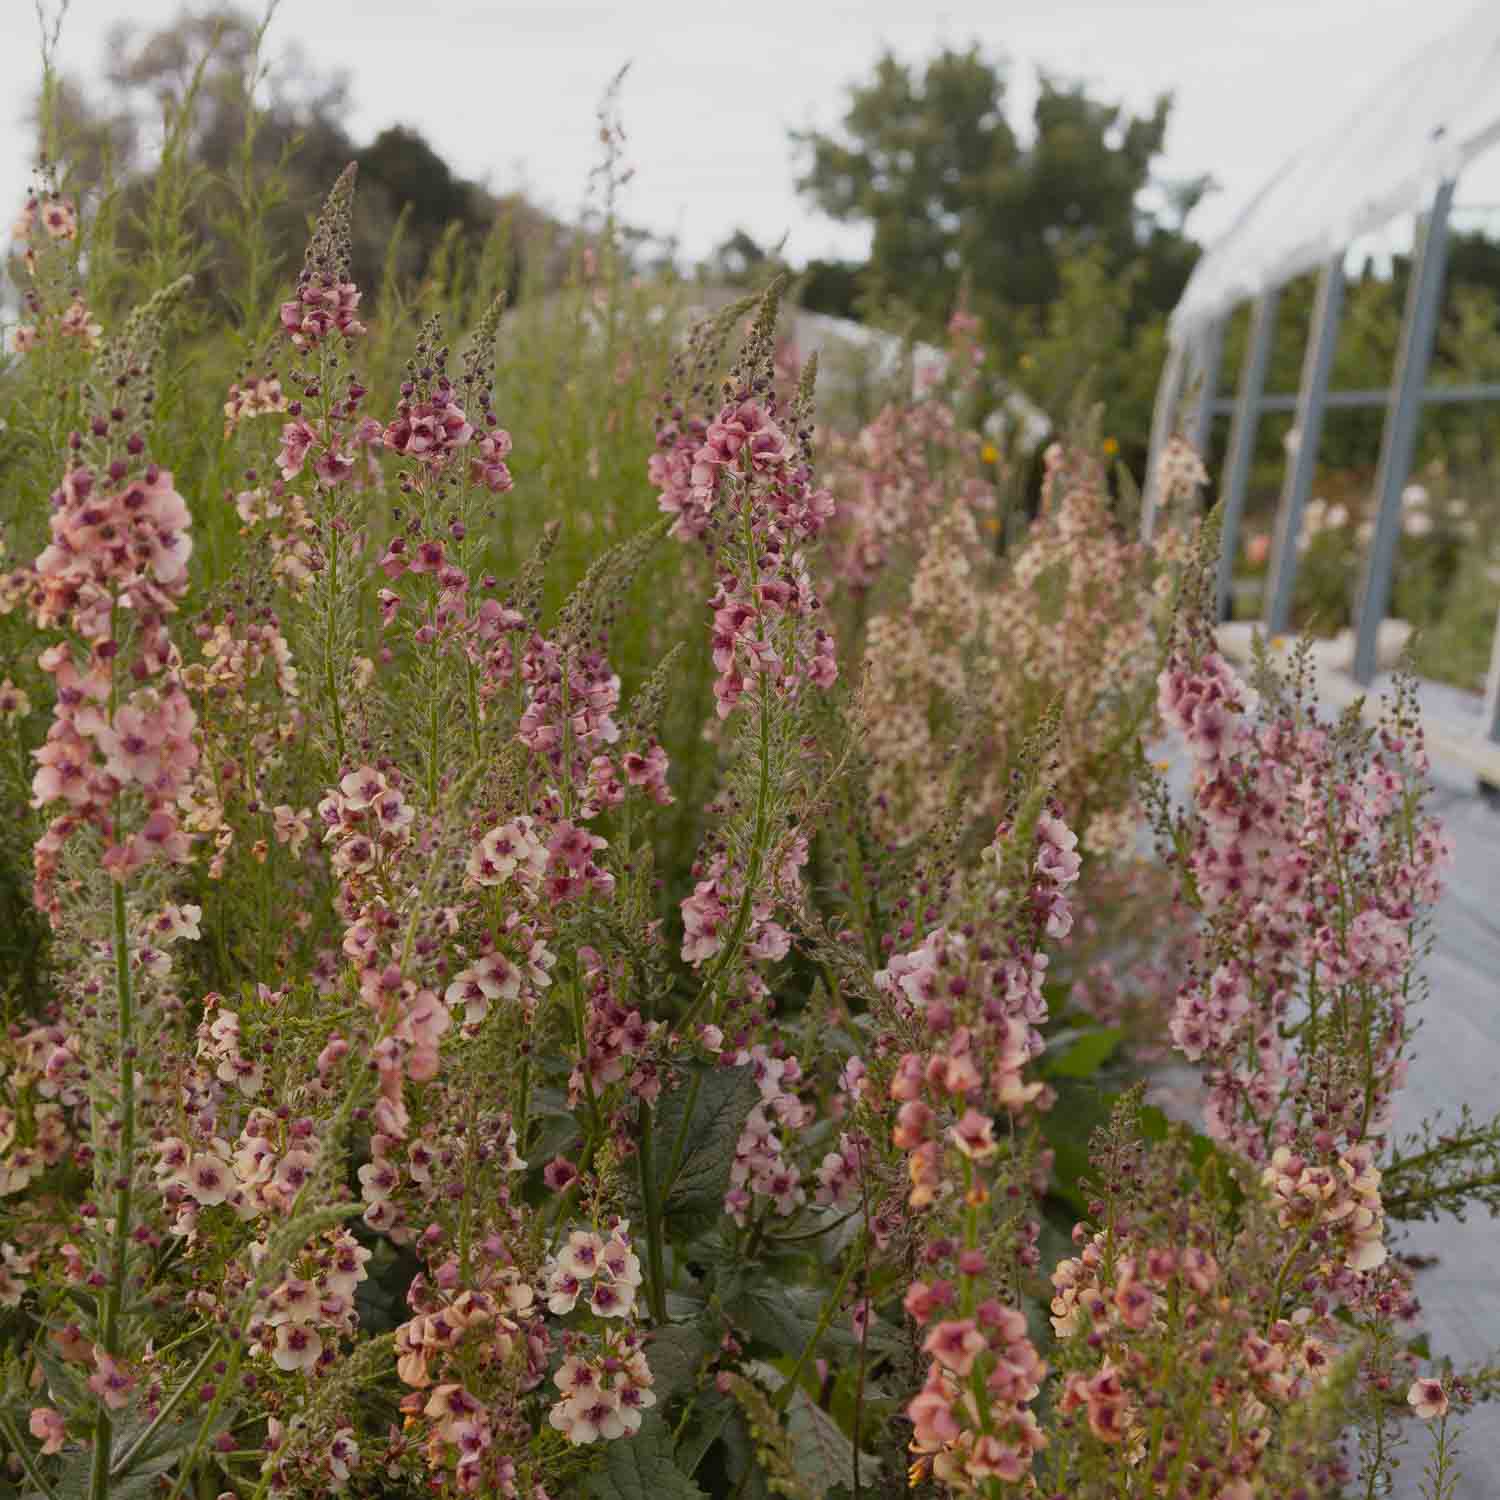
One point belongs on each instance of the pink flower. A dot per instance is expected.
(1428, 1399)
(955, 1345)
(931, 1414)
(297, 438)
(974, 1135)
(47, 1425)
(208, 1179)
(111, 1382)
(59, 219)
(489, 468)
(297, 1347)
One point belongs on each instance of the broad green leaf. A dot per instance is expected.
(785, 1317)
(1081, 1109)
(674, 1354)
(711, 1414)
(1083, 1053)
(693, 1159)
(825, 1456)
(553, 1134)
(642, 1468)
(170, 1441)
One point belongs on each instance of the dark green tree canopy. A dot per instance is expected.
(929, 159)
(199, 70)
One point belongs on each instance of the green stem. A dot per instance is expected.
(523, 1109)
(330, 675)
(783, 1397)
(432, 749)
(679, 1142)
(124, 1164)
(731, 948)
(655, 1263)
(1409, 1205)
(473, 698)
(121, 1465)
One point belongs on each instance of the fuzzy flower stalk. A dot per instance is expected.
(110, 776)
(964, 1008)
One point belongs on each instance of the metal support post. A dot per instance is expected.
(1302, 460)
(1242, 432)
(1207, 352)
(1168, 389)
(1491, 719)
(1399, 436)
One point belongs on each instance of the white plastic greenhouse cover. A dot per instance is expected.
(1422, 125)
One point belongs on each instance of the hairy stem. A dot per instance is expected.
(330, 670)
(783, 1397)
(655, 1263)
(124, 1163)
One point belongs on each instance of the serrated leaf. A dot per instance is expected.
(746, 1476)
(642, 1468)
(705, 1425)
(692, 1191)
(785, 1317)
(554, 1133)
(73, 1479)
(825, 1456)
(674, 1354)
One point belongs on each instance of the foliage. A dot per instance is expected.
(931, 162)
(491, 1024)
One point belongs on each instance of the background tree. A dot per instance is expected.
(241, 132)
(929, 159)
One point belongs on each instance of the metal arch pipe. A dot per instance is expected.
(1398, 437)
(1168, 390)
(1302, 460)
(1242, 432)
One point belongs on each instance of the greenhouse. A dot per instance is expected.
(1402, 152)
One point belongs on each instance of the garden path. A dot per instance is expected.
(1457, 1061)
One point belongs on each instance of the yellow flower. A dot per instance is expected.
(1027, 362)
(1111, 447)
(989, 453)
(991, 525)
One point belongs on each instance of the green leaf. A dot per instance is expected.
(1084, 1054)
(785, 1317)
(1081, 1109)
(642, 1468)
(711, 1414)
(693, 1194)
(675, 1354)
(170, 1441)
(746, 1477)
(554, 1133)
(825, 1456)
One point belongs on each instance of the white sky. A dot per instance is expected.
(505, 89)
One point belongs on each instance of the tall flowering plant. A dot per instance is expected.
(395, 1119)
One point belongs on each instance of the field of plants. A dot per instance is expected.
(572, 927)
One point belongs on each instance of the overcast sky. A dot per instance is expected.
(505, 91)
